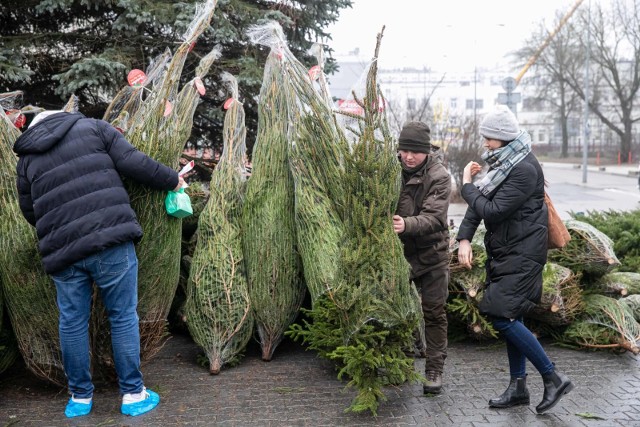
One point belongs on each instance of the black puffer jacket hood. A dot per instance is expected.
(44, 135)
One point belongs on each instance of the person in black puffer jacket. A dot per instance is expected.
(70, 189)
(510, 201)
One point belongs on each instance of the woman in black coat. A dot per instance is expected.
(510, 201)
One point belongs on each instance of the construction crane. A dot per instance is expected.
(509, 84)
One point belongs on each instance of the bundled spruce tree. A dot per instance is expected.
(28, 291)
(561, 298)
(365, 309)
(589, 251)
(314, 160)
(269, 237)
(605, 323)
(632, 302)
(155, 296)
(616, 284)
(218, 308)
(158, 129)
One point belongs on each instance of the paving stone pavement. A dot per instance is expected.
(297, 388)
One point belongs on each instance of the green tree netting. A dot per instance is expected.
(273, 265)
(365, 316)
(589, 251)
(29, 292)
(616, 283)
(160, 128)
(218, 308)
(605, 323)
(314, 161)
(561, 298)
(633, 303)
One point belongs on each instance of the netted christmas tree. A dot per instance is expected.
(589, 251)
(160, 128)
(605, 323)
(632, 302)
(218, 308)
(561, 298)
(616, 284)
(314, 160)
(364, 307)
(269, 237)
(29, 292)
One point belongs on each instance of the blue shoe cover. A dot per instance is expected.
(77, 409)
(144, 406)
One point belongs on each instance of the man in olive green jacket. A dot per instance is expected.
(421, 223)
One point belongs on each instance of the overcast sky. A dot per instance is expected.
(447, 35)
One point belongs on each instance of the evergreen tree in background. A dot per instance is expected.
(51, 49)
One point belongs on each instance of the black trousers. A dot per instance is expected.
(433, 288)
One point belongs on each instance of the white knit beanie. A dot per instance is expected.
(43, 115)
(500, 124)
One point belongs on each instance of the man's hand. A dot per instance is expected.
(398, 224)
(470, 171)
(465, 254)
(180, 183)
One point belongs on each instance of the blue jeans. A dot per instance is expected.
(522, 345)
(115, 272)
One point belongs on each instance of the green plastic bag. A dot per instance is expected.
(178, 204)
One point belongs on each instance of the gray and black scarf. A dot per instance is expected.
(502, 160)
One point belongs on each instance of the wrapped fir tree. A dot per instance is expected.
(218, 308)
(29, 293)
(561, 298)
(605, 323)
(160, 128)
(616, 284)
(364, 307)
(589, 251)
(269, 237)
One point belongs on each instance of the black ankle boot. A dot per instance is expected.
(515, 394)
(556, 385)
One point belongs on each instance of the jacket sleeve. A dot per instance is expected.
(134, 164)
(469, 225)
(24, 195)
(517, 188)
(432, 217)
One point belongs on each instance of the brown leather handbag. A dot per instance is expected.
(558, 234)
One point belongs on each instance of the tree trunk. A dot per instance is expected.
(625, 140)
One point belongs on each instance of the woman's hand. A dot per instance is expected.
(465, 254)
(470, 171)
(398, 224)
